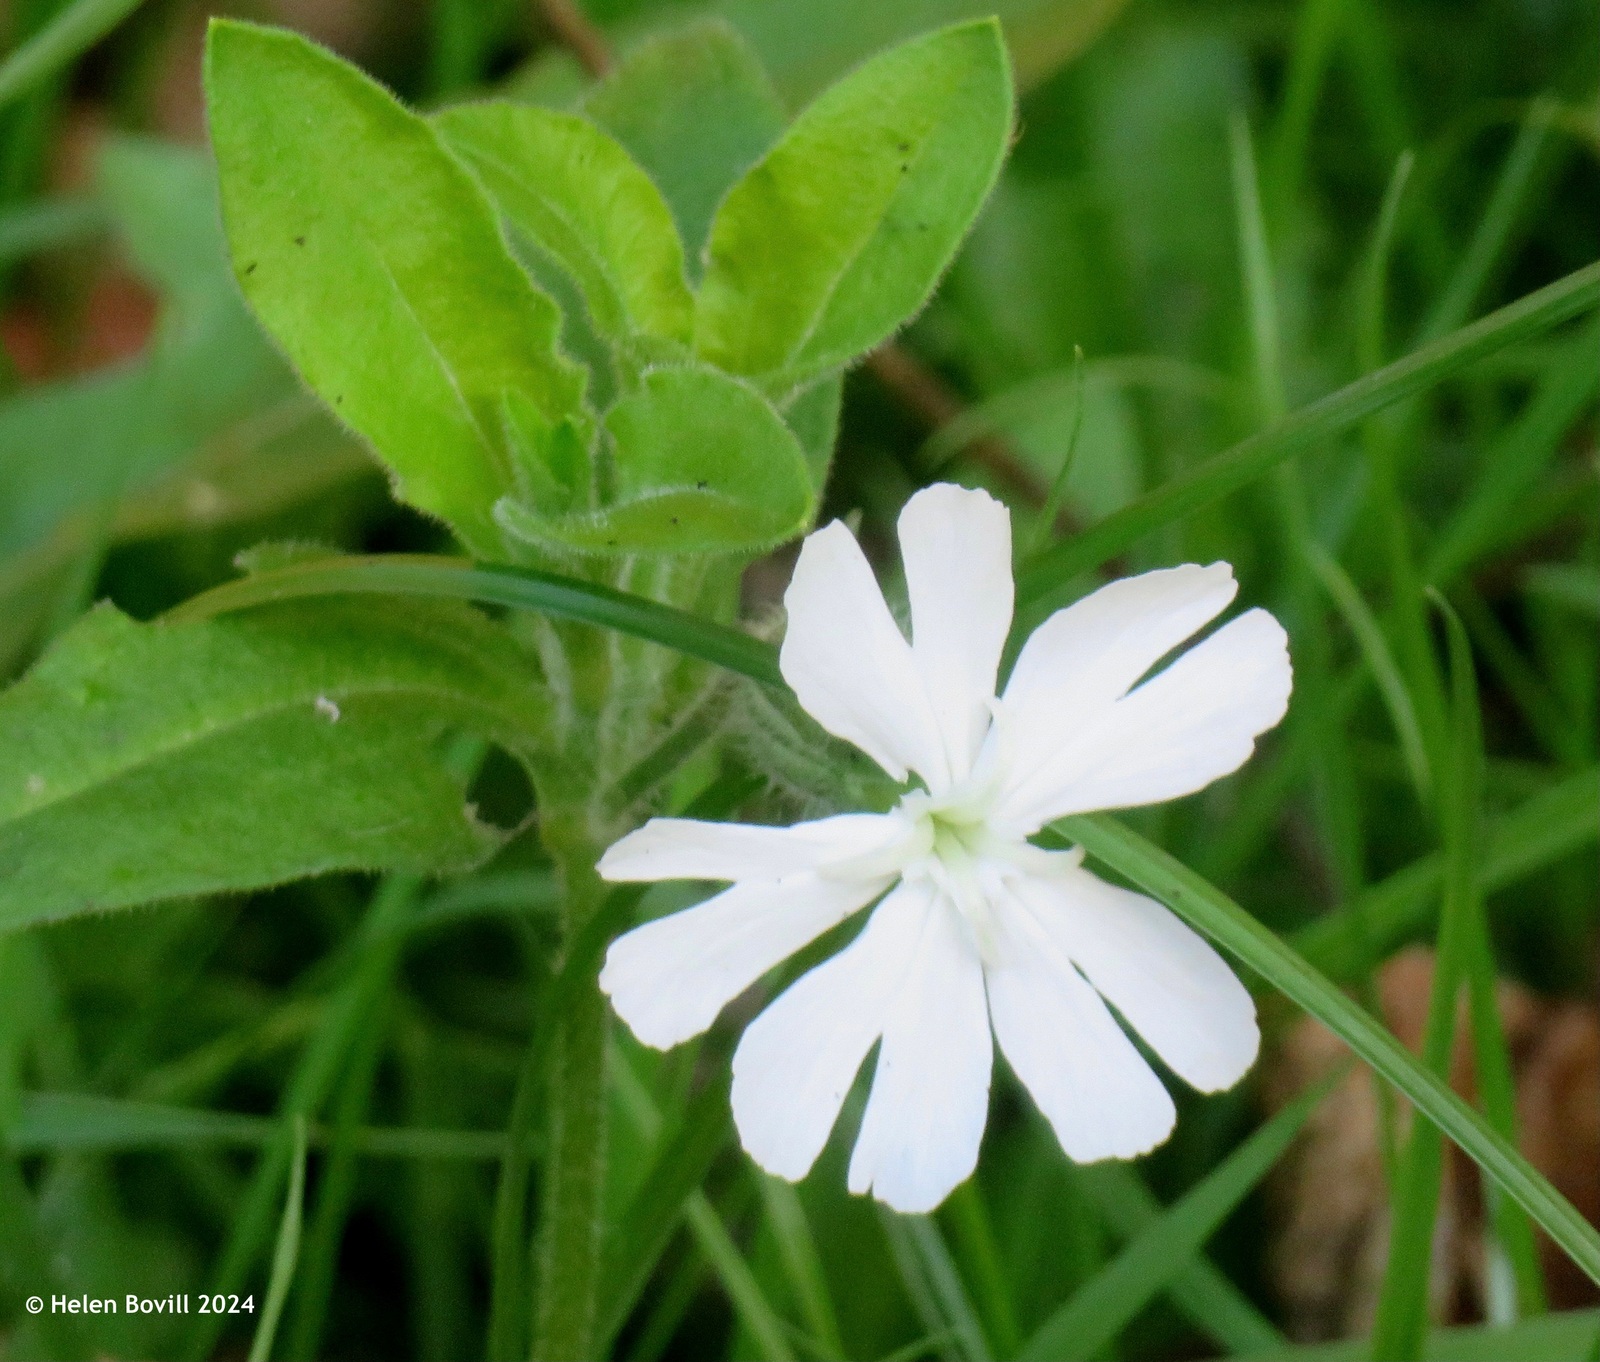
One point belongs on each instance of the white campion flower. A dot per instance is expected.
(975, 928)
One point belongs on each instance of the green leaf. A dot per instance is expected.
(695, 109)
(801, 277)
(701, 464)
(144, 762)
(576, 193)
(376, 261)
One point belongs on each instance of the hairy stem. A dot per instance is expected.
(573, 1185)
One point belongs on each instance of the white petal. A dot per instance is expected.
(1166, 980)
(669, 978)
(1093, 1086)
(687, 849)
(848, 663)
(1085, 657)
(1184, 728)
(798, 1059)
(956, 546)
(930, 1093)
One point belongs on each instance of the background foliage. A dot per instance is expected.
(1232, 210)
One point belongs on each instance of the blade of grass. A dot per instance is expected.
(766, 1327)
(1255, 267)
(645, 1228)
(1369, 637)
(1218, 917)
(1223, 473)
(802, 1263)
(1513, 464)
(1405, 1296)
(1563, 1337)
(1050, 512)
(287, 1251)
(1538, 705)
(335, 1191)
(347, 1016)
(1372, 298)
(545, 593)
(508, 1230)
(1494, 228)
(1492, 1058)
(1103, 1307)
(1199, 1289)
(933, 1285)
(1554, 823)
(967, 1217)
(56, 1122)
(75, 29)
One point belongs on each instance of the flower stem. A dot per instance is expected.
(575, 1164)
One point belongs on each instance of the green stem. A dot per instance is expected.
(573, 1184)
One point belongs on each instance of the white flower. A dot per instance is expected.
(976, 927)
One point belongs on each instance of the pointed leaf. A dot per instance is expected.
(581, 198)
(149, 761)
(376, 261)
(694, 108)
(838, 235)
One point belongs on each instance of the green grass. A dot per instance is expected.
(1309, 287)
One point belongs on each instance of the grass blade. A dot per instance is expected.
(1494, 227)
(546, 593)
(1218, 917)
(287, 1250)
(1554, 823)
(646, 1227)
(682, 1171)
(1363, 625)
(786, 1217)
(73, 31)
(1250, 458)
(1199, 1288)
(1100, 1310)
(1492, 1058)
(933, 1285)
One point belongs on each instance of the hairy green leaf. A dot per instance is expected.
(578, 195)
(701, 464)
(376, 261)
(802, 276)
(696, 110)
(144, 762)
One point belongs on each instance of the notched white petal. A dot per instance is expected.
(669, 978)
(956, 547)
(848, 663)
(1191, 724)
(1163, 977)
(797, 1060)
(688, 849)
(1101, 1098)
(930, 1091)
